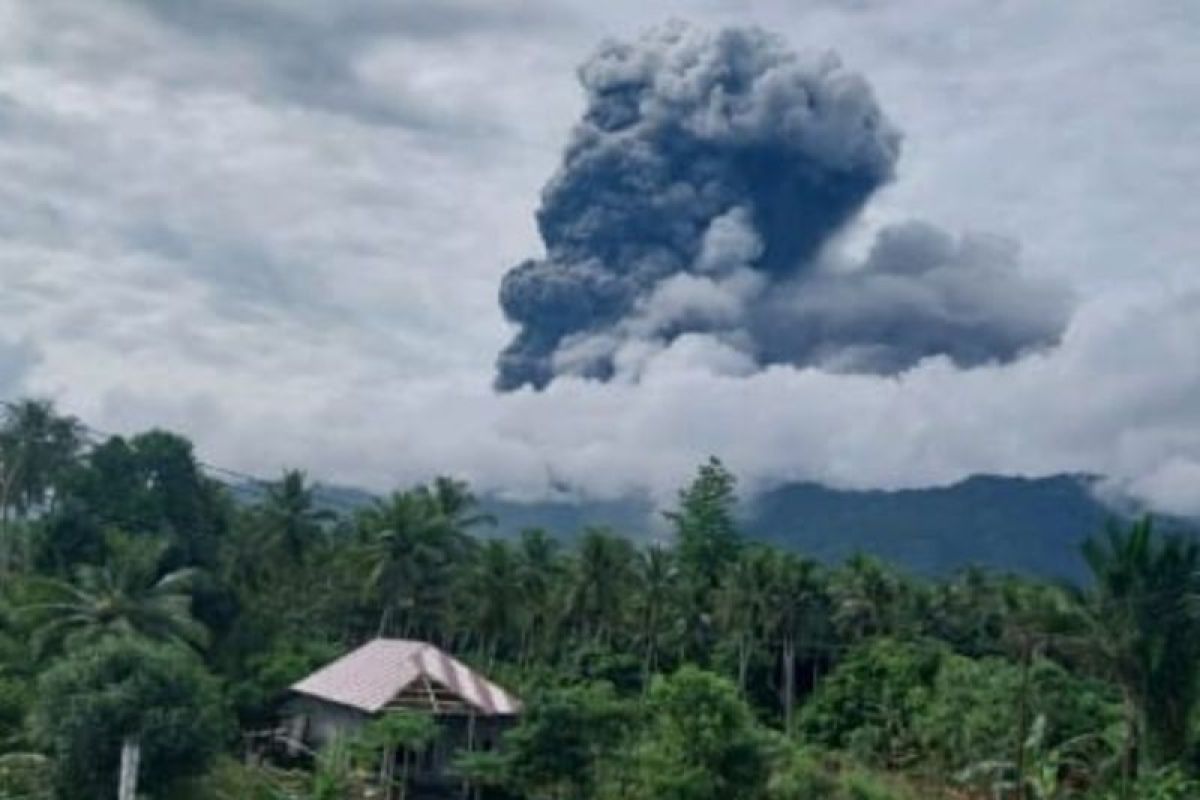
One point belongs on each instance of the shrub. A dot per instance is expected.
(899, 704)
(806, 774)
(868, 704)
(701, 743)
(26, 776)
(90, 702)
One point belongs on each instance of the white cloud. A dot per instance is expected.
(1171, 486)
(285, 239)
(1118, 397)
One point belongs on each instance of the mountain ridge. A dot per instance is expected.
(1021, 524)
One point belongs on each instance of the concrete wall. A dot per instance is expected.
(322, 722)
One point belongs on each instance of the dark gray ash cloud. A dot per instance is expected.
(697, 196)
(920, 292)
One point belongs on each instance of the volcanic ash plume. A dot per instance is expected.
(694, 198)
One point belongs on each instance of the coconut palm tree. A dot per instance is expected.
(865, 596)
(1142, 612)
(797, 609)
(128, 595)
(414, 540)
(744, 603)
(291, 515)
(540, 573)
(494, 599)
(403, 532)
(457, 505)
(604, 574)
(969, 611)
(247, 556)
(658, 580)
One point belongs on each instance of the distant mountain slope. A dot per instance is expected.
(1026, 525)
(1029, 525)
(566, 519)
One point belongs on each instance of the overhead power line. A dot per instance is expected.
(245, 484)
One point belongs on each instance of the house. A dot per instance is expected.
(387, 675)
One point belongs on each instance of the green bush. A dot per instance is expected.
(15, 697)
(869, 703)
(266, 677)
(802, 774)
(91, 701)
(806, 774)
(900, 704)
(565, 735)
(25, 776)
(229, 778)
(973, 712)
(701, 742)
(1170, 783)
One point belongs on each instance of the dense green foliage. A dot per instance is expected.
(142, 599)
(123, 688)
(701, 742)
(1032, 525)
(896, 703)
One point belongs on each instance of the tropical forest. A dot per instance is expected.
(147, 599)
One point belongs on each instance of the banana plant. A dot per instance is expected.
(1050, 773)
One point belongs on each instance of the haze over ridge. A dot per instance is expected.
(281, 229)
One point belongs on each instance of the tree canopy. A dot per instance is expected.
(142, 597)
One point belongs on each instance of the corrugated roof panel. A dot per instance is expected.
(371, 676)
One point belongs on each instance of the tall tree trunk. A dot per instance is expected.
(1023, 716)
(743, 662)
(5, 544)
(131, 756)
(789, 682)
(523, 646)
(1129, 758)
(5, 560)
(9, 478)
(650, 651)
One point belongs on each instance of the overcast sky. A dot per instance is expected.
(279, 226)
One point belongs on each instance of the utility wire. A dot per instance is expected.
(251, 487)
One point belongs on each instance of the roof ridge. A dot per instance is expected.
(369, 676)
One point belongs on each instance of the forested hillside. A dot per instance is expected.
(1032, 526)
(1029, 525)
(142, 604)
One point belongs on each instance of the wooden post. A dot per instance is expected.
(466, 784)
(131, 756)
(387, 772)
(404, 757)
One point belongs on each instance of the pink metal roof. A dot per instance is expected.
(371, 676)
